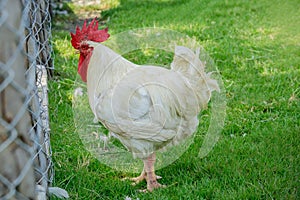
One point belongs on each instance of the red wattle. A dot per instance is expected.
(83, 66)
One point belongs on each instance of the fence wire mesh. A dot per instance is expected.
(25, 60)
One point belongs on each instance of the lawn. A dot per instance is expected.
(255, 46)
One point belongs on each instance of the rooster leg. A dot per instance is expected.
(150, 173)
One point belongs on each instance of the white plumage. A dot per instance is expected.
(148, 107)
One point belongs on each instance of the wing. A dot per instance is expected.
(149, 103)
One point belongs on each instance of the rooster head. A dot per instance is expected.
(79, 41)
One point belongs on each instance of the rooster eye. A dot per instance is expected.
(84, 47)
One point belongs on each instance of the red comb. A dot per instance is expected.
(89, 33)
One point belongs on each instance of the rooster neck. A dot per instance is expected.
(107, 66)
(105, 70)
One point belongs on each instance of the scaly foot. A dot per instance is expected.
(138, 179)
(152, 182)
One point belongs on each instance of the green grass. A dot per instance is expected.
(256, 47)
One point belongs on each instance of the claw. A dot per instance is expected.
(158, 177)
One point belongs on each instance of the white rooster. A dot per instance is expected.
(146, 107)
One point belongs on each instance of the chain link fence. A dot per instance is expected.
(26, 168)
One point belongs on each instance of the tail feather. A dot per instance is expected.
(188, 63)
